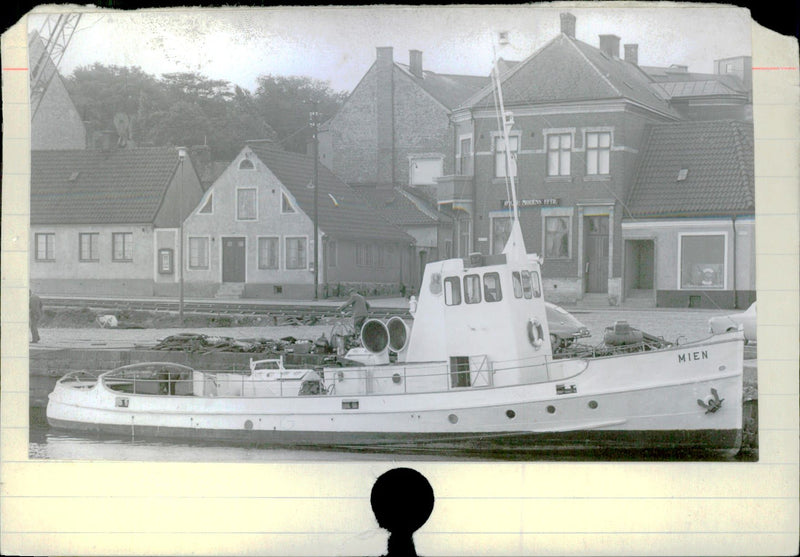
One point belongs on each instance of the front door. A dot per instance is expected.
(596, 251)
(233, 259)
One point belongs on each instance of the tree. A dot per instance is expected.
(285, 103)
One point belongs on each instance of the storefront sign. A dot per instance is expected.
(523, 203)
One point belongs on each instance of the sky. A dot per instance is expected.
(337, 45)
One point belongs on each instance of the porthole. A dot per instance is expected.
(551, 409)
(452, 418)
(511, 414)
(248, 425)
(396, 379)
(592, 404)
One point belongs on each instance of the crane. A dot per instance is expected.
(56, 33)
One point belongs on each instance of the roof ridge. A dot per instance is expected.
(572, 41)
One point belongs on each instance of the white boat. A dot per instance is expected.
(475, 371)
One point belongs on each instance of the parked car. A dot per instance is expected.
(725, 323)
(564, 328)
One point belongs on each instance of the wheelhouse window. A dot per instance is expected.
(472, 289)
(122, 243)
(45, 246)
(703, 261)
(425, 170)
(246, 204)
(559, 146)
(501, 168)
(598, 153)
(501, 230)
(268, 253)
(198, 253)
(527, 285)
(556, 237)
(452, 291)
(296, 253)
(536, 284)
(516, 280)
(88, 249)
(491, 287)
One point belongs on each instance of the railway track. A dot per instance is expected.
(222, 307)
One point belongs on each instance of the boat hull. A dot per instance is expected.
(664, 400)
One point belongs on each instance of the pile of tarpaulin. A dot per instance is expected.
(206, 344)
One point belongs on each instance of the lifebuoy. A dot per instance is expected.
(535, 333)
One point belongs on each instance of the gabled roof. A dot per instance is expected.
(400, 206)
(717, 157)
(123, 186)
(450, 90)
(565, 70)
(342, 212)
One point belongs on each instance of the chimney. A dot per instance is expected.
(609, 45)
(568, 24)
(415, 62)
(632, 53)
(384, 105)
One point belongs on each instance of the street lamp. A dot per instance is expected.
(314, 121)
(181, 159)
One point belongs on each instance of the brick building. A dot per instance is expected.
(105, 222)
(252, 234)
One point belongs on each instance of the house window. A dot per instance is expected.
(465, 157)
(296, 253)
(88, 250)
(500, 170)
(559, 146)
(491, 287)
(703, 261)
(268, 253)
(198, 253)
(556, 237)
(425, 170)
(361, 254)
(122, 246)
(246, 164)
(472, 289)
(286, 205)
(246, 204)
(501, 230)
(452, 291)
(598, 152)
(332, 255)
(208, 208)
(45, 247)
(463, 237)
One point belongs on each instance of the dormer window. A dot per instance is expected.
(286, 204)
(682, 174)
(246, 164)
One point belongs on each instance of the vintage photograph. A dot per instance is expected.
(428, 233)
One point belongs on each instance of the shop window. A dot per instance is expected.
(45, 246)
(246, 204)
(491, 287)
(452, 291)
(556, 237)
(703, 261)
(198, 253)
(472, 289)
(598, 153)
(122, 246)
(296, 253)
(88, 248)
(268, 253)
(559, 146)
(505, 167)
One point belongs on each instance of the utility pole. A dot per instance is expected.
(181, 158)
(314, 121)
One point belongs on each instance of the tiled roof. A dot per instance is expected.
(450, 90)
(567, 69)
(342, 212)
(718, 159)
(122, 186)
(401, 207)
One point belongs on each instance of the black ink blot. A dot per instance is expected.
(402, 500)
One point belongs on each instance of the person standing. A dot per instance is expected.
(35, 313)
(360, 308)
